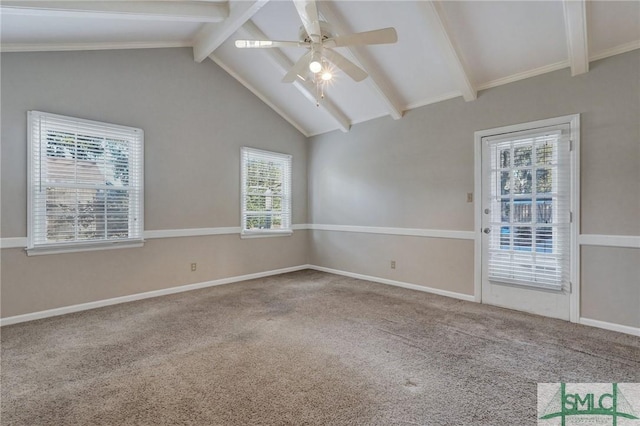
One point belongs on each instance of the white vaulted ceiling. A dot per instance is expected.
(445, 49)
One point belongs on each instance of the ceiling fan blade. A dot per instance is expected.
(382, 36)
(308, 12)
(351, 69)
(300, 68)
(266, 44)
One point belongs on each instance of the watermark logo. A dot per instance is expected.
(567, 404)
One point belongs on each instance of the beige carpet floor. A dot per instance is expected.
(306, 348)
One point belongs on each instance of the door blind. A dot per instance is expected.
(529, 214)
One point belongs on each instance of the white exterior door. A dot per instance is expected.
(528, 250)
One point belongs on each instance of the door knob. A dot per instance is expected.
(486, 230)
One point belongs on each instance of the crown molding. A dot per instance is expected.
(432, 100)
(63, 47)
(523, 75)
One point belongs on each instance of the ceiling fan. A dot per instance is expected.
(316, 36)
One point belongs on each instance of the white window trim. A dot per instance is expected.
(264, 233)
(574, 122)
(73, 247)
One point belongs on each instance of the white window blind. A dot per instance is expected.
(86, 183)
(530, 217)
(266, 192)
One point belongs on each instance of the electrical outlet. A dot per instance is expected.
(469, 197)
(393, 264)
(194, 266)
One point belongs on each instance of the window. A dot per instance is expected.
(266, 193)
(85, 183)
(530, 205)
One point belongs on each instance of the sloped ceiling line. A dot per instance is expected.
(377, 82)
(211, 36)
(575, 21)
(259, 94)
(435, 17)
(307, 88)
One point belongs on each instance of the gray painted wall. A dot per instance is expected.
(611, 284)
(415, 173)
(410, 173)
(195, 117)
(38, 283)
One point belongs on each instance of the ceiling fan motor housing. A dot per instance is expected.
(325, 30)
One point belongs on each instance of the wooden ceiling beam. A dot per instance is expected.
(575, 21)
(185, 11)
(435, 18)
(306, 88)
(211, 36)
(377, 82)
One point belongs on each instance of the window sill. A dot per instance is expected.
(76, 248)
(266, 233)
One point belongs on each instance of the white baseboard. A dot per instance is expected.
(634, 331)
(139, 296)
(467, 297)
(179, 289)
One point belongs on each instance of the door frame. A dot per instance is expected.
(574, 122)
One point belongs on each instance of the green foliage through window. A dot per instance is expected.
(87, 179)
(266, 191)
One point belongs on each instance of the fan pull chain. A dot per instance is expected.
(319, 93)
(319, 89)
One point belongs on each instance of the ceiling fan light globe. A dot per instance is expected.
(326, 76)
(315, 66)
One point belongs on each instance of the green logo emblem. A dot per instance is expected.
(584, 400)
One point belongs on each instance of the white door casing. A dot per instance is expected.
(527, 221)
